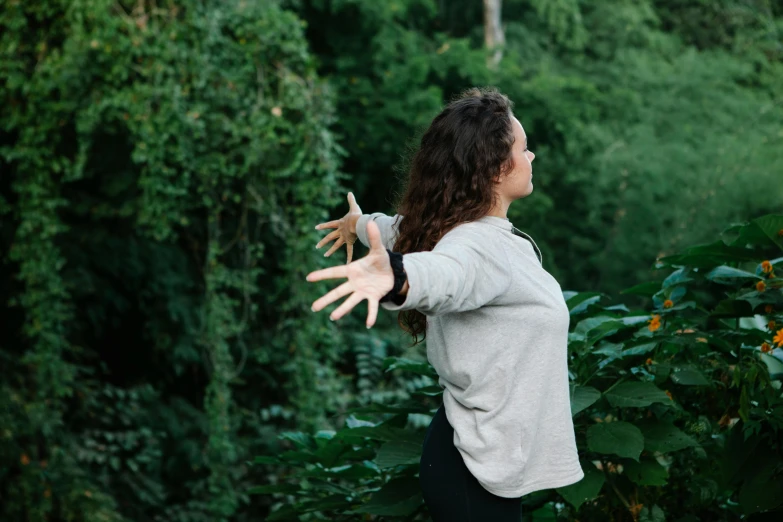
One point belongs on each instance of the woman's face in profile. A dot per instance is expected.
(519, 182)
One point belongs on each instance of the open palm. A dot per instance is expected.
(370, 277)
(343, 233)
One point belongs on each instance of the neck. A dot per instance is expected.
(500, 210)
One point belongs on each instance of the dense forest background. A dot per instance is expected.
(163, 164)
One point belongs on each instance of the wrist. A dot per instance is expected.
(352, 219)
(396, 294)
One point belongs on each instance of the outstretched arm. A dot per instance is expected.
(458, 275)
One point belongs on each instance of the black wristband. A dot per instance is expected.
(395, 258)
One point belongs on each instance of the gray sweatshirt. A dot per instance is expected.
(497, 333)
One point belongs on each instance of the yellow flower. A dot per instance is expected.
(765, 347)
(771, 325)
(648, 362)
(761, 286)
(655, 323)
(778, 339)
(668, 303)
(669, 394)
(769, 309)
(24, 459)
(766, 267)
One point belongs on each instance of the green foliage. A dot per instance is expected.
(678, 415)
(155, 155)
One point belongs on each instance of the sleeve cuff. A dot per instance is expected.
(361, 229)
(411, 296)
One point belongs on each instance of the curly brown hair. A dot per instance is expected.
(452, 174)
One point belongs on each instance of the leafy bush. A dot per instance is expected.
(677, 408)
(163, 164)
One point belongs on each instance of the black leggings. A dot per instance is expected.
(451, 492)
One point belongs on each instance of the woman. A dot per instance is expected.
(497, 323)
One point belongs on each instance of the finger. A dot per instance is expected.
(372, 312)
(327, 238)
(346, 306)
(331, 272)
(349, 248)
(332, 296)
(337, 244)
(354, 206)
(374, 236)
(328, 224)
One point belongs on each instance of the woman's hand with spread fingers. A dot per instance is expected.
(369, 278)
(345, 229)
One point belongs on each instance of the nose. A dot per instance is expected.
(532, 156)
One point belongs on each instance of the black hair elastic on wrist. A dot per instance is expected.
(395, 258)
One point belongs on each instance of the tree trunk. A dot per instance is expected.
(493, 32)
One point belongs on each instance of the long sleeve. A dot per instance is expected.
(386, 224)
(462, 273)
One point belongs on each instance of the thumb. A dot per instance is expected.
(352, 201)
(374, 236)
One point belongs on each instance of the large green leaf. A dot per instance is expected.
(645, 289)
(580, 302)
(635, 394)
(689, 376)
(677, 277)
(586, 489)
(582, 397)
(593, 329)
(301, 440)
(763, 231)
(664, 436)
(397, 452)
(330, 454)
(645, 472)
(729, 275)
(299, 456)
(398, 498)
(706, 256)
(616, 438)
(639, 349)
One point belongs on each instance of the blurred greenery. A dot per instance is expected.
(162, 165)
